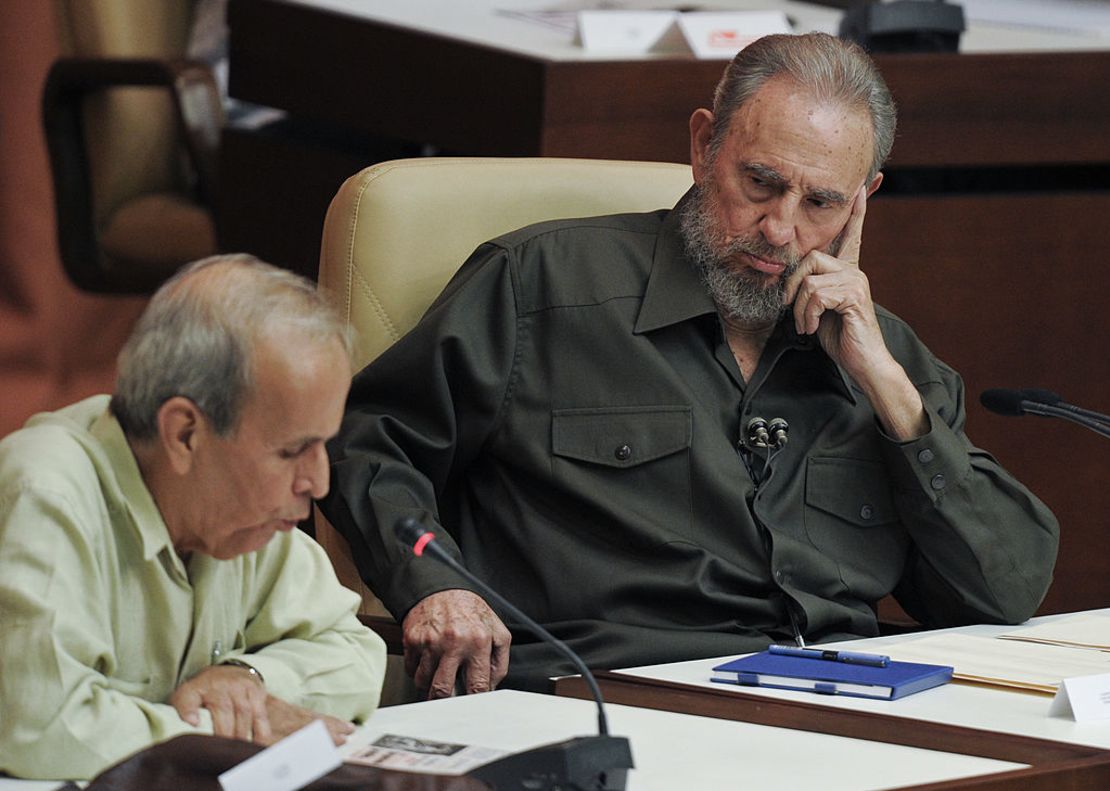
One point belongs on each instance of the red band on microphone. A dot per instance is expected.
(418, 547)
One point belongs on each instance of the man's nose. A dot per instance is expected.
(777, 224)
(313, 473)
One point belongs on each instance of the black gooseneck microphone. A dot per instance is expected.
(1044, 403)
(583, 763)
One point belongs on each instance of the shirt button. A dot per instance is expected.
(623, 453)
(925, 456)
(866, 512)
(938, 482)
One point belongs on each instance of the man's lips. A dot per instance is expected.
(763, 265)
(289, 524)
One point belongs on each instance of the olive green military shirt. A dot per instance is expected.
(571, 422)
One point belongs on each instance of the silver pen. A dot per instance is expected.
(845, 657)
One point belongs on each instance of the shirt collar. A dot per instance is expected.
(131, 492)
(674, 290)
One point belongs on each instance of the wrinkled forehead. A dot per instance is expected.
(787, 129)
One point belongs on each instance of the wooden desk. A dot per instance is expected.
(676, 751)
(1052, 765)
(993, 722)
(987, 236)
(483, 97)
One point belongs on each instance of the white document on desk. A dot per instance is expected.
(297, 760)
(1084, 699)
(1034, 667)
(414, 754)
(1084, 630)
(720, 35)
(624, 32)
(1088, 18)
(708, 35)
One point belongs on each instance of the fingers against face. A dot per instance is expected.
(826, 282)
(853, 230)
(835, 291)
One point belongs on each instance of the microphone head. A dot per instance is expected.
(1041, 396)
(409, 530)
(1002, 401)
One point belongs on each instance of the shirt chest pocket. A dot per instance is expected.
(628, 465)
(851, 519)
(855, 491)
(620, 437)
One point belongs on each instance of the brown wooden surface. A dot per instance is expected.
(1008, 287)
(982, 109)
(194, 762)
(1053, 765)
(1010, 290)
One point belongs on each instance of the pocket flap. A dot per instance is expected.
(854, 490)
(620, 437)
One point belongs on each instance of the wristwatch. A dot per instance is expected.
(249, 668)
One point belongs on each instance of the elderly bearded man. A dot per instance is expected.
(573, 418)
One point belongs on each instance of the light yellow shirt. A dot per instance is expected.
(100, 620)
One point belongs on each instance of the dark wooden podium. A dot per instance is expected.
(989, 234)
(195, 762)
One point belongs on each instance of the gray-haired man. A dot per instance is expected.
(151, 579)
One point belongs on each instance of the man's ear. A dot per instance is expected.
(701, 132)
(180, 426)
(874, 185)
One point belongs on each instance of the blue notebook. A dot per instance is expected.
(896, 680)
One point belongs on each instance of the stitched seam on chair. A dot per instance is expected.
(376, 306)
(366, 288)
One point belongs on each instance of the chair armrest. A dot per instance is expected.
(196, 99)
(198, 113)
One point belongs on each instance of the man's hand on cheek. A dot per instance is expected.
(832, 299)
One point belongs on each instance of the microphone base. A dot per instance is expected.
(584, 763)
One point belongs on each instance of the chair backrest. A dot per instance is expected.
(397, 231)
(131, 133)
(131, 128)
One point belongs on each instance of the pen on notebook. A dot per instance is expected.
(847, 657)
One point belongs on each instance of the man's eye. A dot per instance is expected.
(291, 453)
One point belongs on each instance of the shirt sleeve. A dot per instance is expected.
(984, 545)
(61, 716)
(416, 419)
(304, 636)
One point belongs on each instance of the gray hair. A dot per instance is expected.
(197, 335)
(832, 69)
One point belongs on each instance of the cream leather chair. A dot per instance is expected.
(132, 130)
(397, 231)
